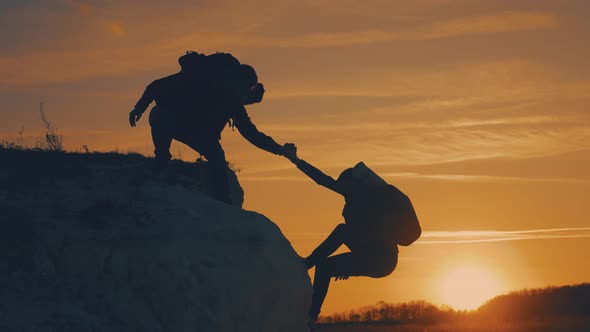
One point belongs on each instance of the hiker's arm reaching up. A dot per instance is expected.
(250, 132)
(315, 174)
(142, 104)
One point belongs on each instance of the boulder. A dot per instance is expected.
(99, 242)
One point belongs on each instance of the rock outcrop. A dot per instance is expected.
(99, 242)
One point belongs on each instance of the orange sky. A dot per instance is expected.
(478, 110)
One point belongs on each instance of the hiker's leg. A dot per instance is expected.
(218, 165)
(328, 246)
(345, 265)
(162, 128)
(326, 269)
(212, 150)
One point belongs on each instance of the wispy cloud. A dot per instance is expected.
(385, 143)
(435, 177)
(442, 237)
(502, 22)
(464, 86)
(455, 237)
(464, 123)
(485, 178)
(485, 24)
(75, 63)
(494, 23)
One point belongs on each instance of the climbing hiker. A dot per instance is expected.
(378, 217)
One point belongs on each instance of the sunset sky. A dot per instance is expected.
(478, 110)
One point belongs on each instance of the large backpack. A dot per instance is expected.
(399, 217)
(223, 64)
(191, 60)
(222, 73)
(386, 209)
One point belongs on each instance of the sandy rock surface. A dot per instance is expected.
(113, 247)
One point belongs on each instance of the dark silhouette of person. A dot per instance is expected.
(372, 253)
(194, 105)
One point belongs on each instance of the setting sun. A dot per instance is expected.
(467, 287)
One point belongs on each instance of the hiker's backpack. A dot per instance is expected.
(380, 209)
(400, 223)
(191, 60)
(222, 73)
(381, 214)
(223, 64)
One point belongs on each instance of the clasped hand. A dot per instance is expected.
(290, 152)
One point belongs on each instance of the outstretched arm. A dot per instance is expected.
(250, 132)
(142, 104)
(315, 174)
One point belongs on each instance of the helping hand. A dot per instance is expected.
(290, 152)
(134, 116)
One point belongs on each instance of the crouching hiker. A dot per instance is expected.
(378, 217)
(194, 105)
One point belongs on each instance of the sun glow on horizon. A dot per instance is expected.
(466, 287)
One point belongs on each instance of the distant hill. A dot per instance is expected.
(544, 302)
(527, 304)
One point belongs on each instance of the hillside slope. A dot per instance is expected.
(99, 242)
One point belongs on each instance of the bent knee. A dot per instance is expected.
(384, 271)
(384, 267)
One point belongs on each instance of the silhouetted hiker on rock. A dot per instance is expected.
(377, 217)
(194, 105)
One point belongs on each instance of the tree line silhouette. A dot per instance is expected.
(527, 304)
